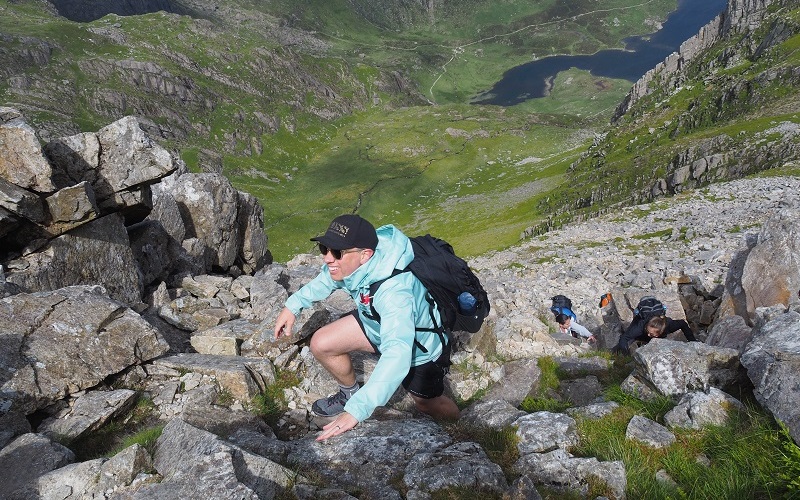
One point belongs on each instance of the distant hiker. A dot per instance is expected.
(561, 304)
(650, 321)
(355, 256)
(569, 326)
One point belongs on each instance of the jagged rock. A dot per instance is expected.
(77, 158)
(21, 202)
(226, 338)
(96, 253)
(94, 478)
(224, 422)
(593, 411)
(573, 367)
(242, 377)
(635, 386)
(675, 368)
(208, 205)
(559, 470)
(545, 431)
(90, 411)
(206, 286)
(496, 414)
(71, 207)
(367, 457)
(698, 409)
(581, 391)
(105, 337)
(155, 252)
(21, 159)
(649, 432)
(253, 253)
(196, 463)
(521, 379)
(731, 332)
(25, 460)
(460, 465)
(523, 488)
(13, 421)
(771, 273)
(772, 360)
(128, 158)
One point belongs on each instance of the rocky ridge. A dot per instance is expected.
(197, 340)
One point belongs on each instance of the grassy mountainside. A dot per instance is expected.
(321, 108)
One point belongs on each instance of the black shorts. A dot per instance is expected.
(424, 381)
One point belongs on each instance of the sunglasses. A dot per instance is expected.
(337, 254)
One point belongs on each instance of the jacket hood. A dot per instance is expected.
(394, 251)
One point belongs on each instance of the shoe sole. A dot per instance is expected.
(322, 415)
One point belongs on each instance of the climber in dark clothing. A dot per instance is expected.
(659, 326)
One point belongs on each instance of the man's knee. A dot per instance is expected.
(342, 336)
(323, 341)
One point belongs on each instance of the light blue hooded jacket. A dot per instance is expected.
(402, 307)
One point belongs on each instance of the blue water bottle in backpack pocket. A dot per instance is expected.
(467, 304)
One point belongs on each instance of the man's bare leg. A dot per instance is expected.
(440, 408)
(332, 344)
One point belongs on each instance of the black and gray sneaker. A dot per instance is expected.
(330, 406)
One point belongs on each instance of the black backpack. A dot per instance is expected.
(650, 307)
(446, 276)
(561, 304)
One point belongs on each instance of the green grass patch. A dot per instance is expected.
(140, 425)
(743, 459)
(499, 444)
(272, 404)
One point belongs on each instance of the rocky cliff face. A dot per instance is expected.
(740, 17)
(77, 352)
(718, 109)
(114, 208)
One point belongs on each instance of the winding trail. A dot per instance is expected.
(459, 49)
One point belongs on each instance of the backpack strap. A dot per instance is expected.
(438, 329)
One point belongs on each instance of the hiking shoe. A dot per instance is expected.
(330, 406)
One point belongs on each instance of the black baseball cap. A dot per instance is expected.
(349, 231)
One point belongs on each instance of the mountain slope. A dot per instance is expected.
(730, 111)
(320, 108)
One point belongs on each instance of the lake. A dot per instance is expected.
(641, 54)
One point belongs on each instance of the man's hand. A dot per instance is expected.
(343, 423)
(284, 323)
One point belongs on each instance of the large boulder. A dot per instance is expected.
(21, 159)
(97, 253)
(53, 344)
(675, 368)
(772, 271)
(772, 360)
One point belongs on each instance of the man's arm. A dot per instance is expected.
(581, 330)
(395, 304)
(674, 325)
(635, 329)
(315, 290)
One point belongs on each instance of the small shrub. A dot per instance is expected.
(224, 398)
(271, 404)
